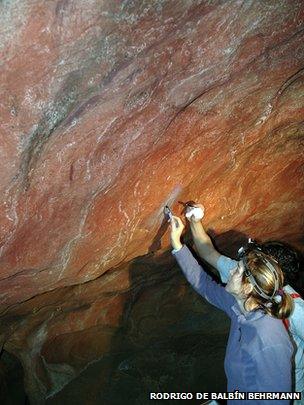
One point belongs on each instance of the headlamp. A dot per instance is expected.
(252, 246)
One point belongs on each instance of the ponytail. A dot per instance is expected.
(282, 309)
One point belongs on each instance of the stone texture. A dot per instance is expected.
(109, 110)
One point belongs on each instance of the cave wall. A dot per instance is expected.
(110, 110)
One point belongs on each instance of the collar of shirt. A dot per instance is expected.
(248, 316)
(287, 288)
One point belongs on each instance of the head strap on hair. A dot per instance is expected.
(279, 296)
(280, 292)
(254, 247)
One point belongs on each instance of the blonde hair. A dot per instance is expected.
(279, 304)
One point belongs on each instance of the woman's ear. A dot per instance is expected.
(247, 288)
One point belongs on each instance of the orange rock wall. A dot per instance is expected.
(110, 110)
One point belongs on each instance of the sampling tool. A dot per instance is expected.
(168, 214)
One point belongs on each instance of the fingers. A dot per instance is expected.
(176, 222)
(190, 214)
(188, 208)
(173, 221)
(195, 213)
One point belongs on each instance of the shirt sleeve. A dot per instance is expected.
(202, 282)
(224, 266)
(297, 318)
(175, 250)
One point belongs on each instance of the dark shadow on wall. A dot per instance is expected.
(11, 381)
(156, 242)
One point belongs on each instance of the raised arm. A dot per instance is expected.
(195, 274)
(203, 243)
(207, 251)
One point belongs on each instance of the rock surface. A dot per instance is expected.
(110, 110)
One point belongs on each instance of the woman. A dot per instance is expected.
(289, 263)
(259, 351)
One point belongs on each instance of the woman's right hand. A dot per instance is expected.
(177, 228)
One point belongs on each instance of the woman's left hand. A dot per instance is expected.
(191, 209)
(177, 228)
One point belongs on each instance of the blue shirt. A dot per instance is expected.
(296, 323)
(259, 351)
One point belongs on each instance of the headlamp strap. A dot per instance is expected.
(252, 280)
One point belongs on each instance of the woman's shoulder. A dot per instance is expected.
(266, 321)
(296, 318)
(271, 331)
(297, 315)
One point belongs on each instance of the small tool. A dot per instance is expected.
(187, 204)
(169, 215)
(168, 212)
(190, 204)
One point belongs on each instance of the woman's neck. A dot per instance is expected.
(241, 304)
(250, 304)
